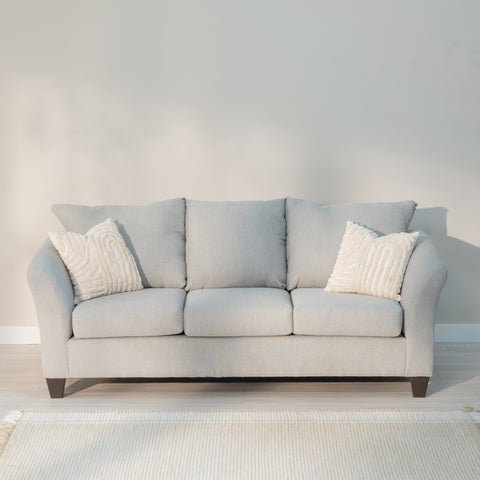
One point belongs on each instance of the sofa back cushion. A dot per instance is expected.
(236, 244)
(315, 232)
(155, 234)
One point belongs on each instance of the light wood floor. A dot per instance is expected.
(455, 384)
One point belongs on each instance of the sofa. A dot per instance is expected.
(236, 290)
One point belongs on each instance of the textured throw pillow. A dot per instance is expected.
(99, 263)
(370, 263)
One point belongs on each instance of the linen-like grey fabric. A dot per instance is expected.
(315, 231)
(235, 244)
(155, 234)
(424, 280)
(316, 312)
(54, 302)
(143, 313)
(289, 355)
(238, 312)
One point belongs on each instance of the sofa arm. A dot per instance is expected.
(424, 280)
(54, 302)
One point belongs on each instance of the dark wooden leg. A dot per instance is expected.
(419, 386)
(55, 387)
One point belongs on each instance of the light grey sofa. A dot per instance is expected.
(235, 289)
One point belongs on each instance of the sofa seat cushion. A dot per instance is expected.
(144, 313)
(238, 312)
(316, 312)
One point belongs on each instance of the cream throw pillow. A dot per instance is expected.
(99, 262)
(371, 264)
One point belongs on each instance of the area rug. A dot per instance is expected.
(240, 444)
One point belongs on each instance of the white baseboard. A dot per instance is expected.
(444, 332)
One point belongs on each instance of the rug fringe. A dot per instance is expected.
(8, 425)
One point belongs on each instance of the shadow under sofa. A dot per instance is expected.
(238, 322)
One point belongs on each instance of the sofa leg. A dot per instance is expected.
(55, 387)
(419, 386)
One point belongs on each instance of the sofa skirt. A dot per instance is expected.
(283, 356)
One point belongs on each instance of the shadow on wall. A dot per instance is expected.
(460, 295)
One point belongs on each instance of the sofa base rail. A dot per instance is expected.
(56, 386)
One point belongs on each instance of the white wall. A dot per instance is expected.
(135, 101)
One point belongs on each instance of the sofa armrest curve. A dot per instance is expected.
(424, 280)
(53, 297)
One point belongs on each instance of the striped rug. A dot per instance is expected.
(240, 444)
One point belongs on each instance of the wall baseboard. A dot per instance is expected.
(444, 332)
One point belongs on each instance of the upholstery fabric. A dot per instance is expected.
(99, 263)
(371, 264)
(237, 312)
(315, 232)
(235, 244)
(424, 280)
(144, 313)
(316, 312)
(155, 234)
(282, 356)
(53, 295)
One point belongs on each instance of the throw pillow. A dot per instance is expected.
(99, 262)
(370, 263)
